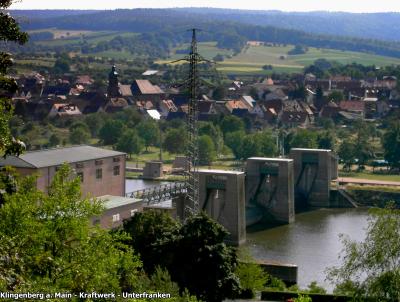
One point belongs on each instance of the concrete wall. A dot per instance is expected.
(125, 212)
(313, 171)
(269, 185)
(222, 197)
(153, 169)
(108, 184)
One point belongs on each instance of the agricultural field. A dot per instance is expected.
(252, 58)
(90, 37)
(63, 34)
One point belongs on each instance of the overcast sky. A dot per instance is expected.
(288, 5)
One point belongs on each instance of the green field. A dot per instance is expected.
(64, 34)
(248, 62)
(251, 59)
(370, 175)
(90, 37)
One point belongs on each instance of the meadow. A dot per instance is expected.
(252, 58)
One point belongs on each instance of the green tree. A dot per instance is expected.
(326, 140)
(79, 135)
(54, 140)
(9, 32)
(201, 249)
(196, 246)
(251, 275)
(111, 132)
(149, 232)
(62, 65)
(231, 123)
(207, 152)
(175, 141)
(234, 141)
(346, 153)
(268, 145)
(130, 142)
(362, 149)
(251, 146)
(213, 131)
(49, 243)
(149, 132)
(391, 144)
(94, 121)
(372, 268)
(303, 138)
(314, 288)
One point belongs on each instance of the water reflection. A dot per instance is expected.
(312, 242)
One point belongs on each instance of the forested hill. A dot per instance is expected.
(168, 27)
(382, 26)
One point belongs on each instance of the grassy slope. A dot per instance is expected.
(252, 58)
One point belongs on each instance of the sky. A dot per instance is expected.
(358, 6)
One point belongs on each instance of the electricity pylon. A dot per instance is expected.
(192, 150)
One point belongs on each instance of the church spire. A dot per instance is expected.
(113, 85)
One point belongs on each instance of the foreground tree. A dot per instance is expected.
(9, 32)
(372, 268)
(196, 246)
(47, 242)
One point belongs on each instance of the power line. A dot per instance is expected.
(192, 150)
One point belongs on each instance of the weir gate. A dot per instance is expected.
(269, 188)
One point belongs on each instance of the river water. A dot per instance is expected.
(140, 184)
(312, 242)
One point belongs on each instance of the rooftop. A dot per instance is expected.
(145, 87)
(57, 156)
(111, 202)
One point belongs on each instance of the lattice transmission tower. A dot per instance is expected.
(192, 150)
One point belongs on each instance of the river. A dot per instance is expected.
(312, 242)
(140, 184)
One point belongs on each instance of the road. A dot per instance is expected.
(370, 182)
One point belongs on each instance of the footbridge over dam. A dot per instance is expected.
(268, 187)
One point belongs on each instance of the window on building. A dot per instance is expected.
(133, 212)
(79, 165)
(115, 218)
(116, 170)
(80, 175)
(98, 162)
(116, 159)
(99, 173)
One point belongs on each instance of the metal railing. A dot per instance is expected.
(158, 194)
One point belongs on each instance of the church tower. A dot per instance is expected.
(113, 85)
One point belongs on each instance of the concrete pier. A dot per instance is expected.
(222, 197)
(269, 185)
(314, 169)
